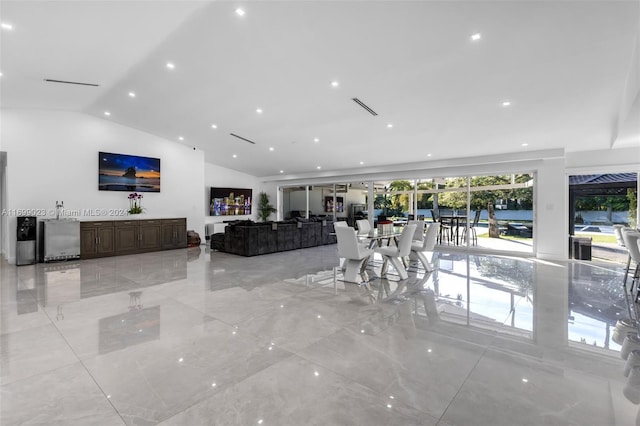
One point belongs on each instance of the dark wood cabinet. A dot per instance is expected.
(174, 233)
(96, 239)
(126, 237)
(109, 238)
(150, 235)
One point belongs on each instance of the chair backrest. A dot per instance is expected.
(435, 216)
(631, 241)
(419, 234)
(404, 243)
(363, 226)
(431, 237)
(382, 218)
(476, 218)
(445, 212)
(617, 231)
(340, 223)
(348, 246)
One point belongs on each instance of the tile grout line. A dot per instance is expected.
(484, 351)
(85, 368)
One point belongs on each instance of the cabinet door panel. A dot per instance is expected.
(180, 236)
(88, 238)
(105, 241)
(150, 237)
(126, 238)
(167, 236)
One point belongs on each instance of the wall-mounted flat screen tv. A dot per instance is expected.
(328, 204)
(230, 201)
(122, 172)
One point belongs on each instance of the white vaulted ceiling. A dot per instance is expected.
(564, 66)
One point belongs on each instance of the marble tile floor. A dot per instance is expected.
(195, 337)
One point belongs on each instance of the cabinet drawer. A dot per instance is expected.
(123, 223)
(181, 221)
(100, 224)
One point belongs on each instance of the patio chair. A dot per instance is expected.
(445, 227)
(472, 228)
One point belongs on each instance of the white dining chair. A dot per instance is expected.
(354, 253)
(420, 225)
(418, 248)
(364, 227)
(395, 254)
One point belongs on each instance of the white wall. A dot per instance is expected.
(551, 230)
(221, 177)
(53, 156)
(605, 160)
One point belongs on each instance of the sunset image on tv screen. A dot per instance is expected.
(120, 172)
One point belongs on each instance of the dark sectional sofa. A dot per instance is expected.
(248, 238)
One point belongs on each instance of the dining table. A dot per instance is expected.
(377, 238)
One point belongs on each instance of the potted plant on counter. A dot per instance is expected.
(264, 208)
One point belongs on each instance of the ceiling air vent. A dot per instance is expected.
(363, 105)
(48, 80)
(240, 137)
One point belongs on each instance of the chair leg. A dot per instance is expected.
(352, 271)
(397, 264)
(425, 263)
(385, 266)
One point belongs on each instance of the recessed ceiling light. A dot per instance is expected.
(335, 84)
(234, 156)
(6, 26)
(0, 74)
(319, 167)
(214, 126)
(506, 103)
(132, 94)
(180, 138)
(271, 148)
(316, 140)
(107, 113)
(389, 126)
(170, 65)
(361, 163)
(476, 37)
(525, 144)
(240, 12)
(281, 171)
(259, 110)
(428, 155)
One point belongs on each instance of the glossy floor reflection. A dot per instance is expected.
(193, 337)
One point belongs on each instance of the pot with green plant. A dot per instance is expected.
(264, 208)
